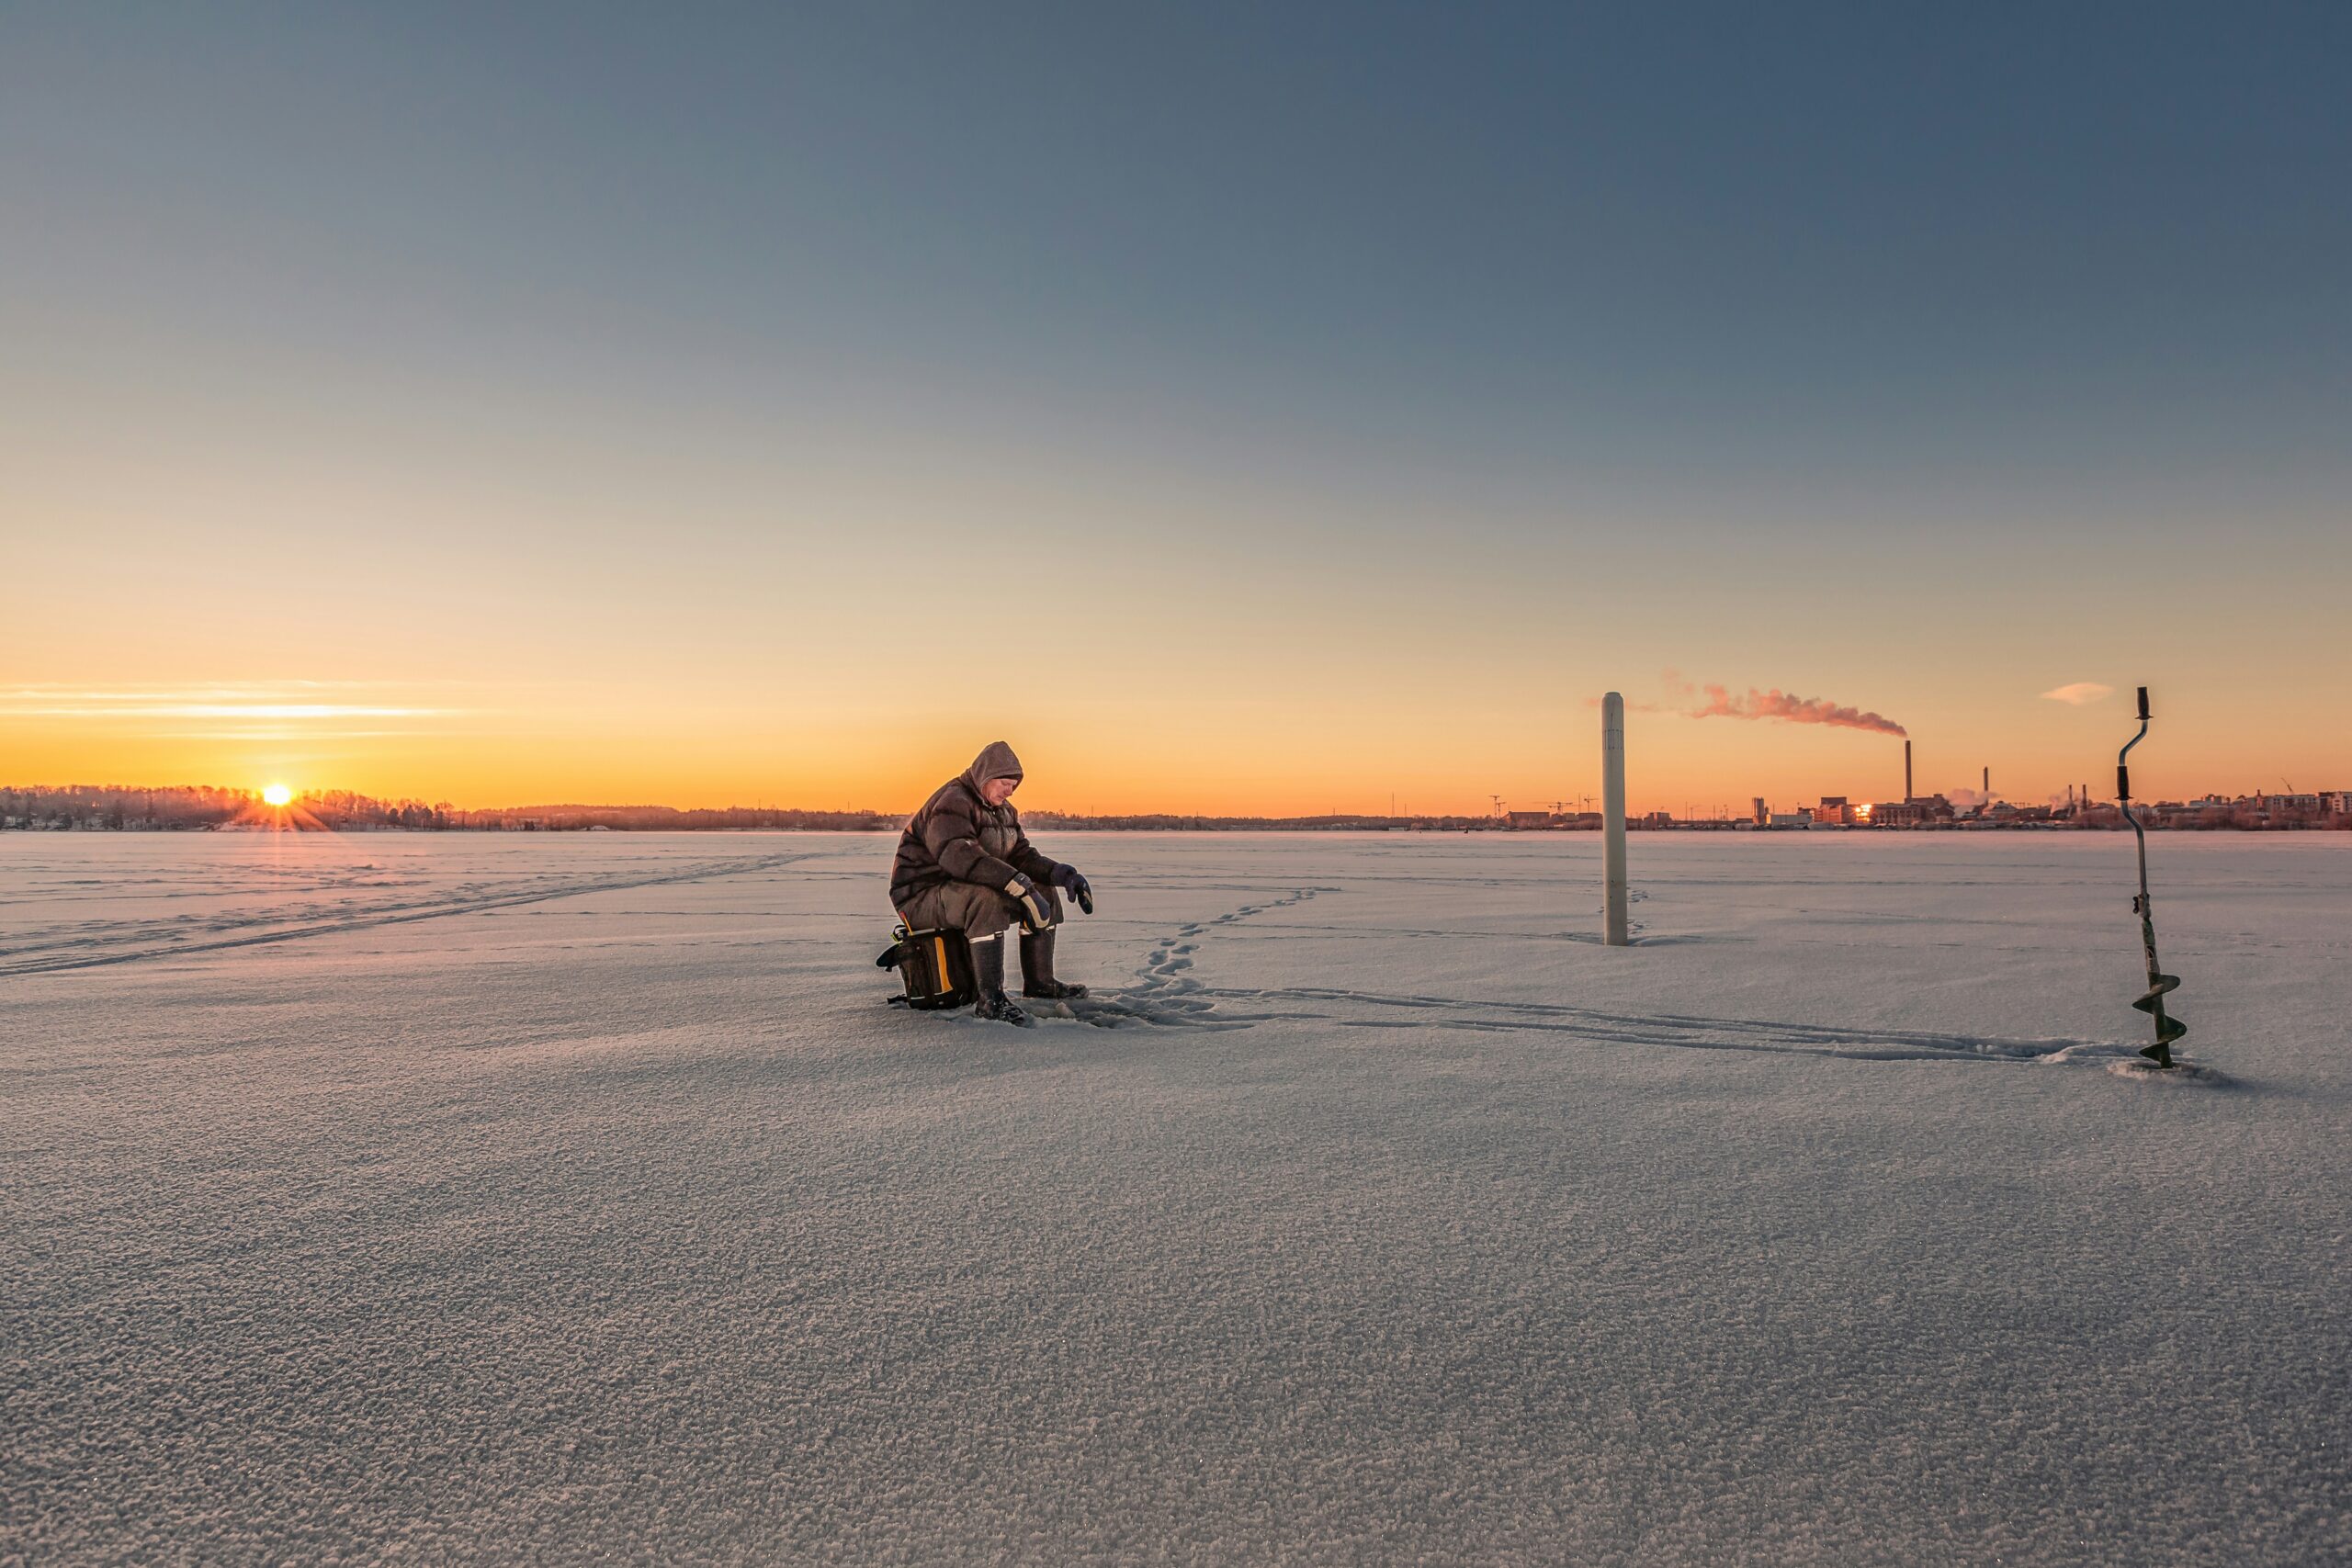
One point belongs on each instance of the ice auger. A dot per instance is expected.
(2168, 1028)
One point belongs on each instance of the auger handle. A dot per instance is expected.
(2123, 772)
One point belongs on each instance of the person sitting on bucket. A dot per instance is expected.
(965, 864)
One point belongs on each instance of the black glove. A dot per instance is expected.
(1066, 878)
(1037, 911)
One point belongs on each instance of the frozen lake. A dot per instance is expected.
(577, 1198)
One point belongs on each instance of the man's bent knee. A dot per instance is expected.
(978, 912)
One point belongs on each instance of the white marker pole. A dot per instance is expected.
(1612, 816)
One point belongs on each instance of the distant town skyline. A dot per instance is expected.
(278, 806)
(1244, 410)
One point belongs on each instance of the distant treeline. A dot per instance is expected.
(1164, 822)
(195, 806)
(119, 808)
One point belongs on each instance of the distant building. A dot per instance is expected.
(1917, 812)
(1789, 820)
(1529, 818)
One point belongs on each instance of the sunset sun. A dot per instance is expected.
(277, 794)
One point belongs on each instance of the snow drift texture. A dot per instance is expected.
(578, 1199)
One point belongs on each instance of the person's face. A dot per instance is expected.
(996, 792)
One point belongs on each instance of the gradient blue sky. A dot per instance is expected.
(1267, 406)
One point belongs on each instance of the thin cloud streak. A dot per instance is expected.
(200, 690)
(230, 710)
(260, 702)
(305, 736)
(2078, 693)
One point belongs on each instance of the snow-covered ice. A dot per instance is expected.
(576, 1199)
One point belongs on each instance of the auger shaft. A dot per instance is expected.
(2168, 1028)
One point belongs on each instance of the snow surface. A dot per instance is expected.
(577, 1198)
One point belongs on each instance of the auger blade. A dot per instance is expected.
(2168, 1028)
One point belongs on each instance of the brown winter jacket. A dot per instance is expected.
(958, 837)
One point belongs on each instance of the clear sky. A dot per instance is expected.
(1255, 408)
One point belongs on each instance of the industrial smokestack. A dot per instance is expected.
(1988, 784)
(1906, 769)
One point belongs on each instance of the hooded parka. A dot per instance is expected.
(959, 837)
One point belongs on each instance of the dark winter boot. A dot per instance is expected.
(988, 978)
(1037, 967)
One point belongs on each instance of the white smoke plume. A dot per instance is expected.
(1791, 708)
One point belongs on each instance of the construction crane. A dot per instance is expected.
(1499, 804)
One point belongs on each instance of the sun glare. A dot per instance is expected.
(277, 794)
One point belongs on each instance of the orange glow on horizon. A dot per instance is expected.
(1410, 744)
